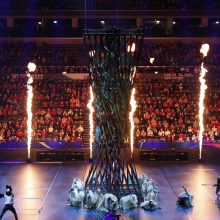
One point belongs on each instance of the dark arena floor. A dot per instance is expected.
(41, 191)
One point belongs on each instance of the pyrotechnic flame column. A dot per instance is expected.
(204, 50)
(31, 69)
(91, 125)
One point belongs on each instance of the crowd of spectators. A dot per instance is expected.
(14, 57)
(59, 107)
(178, 54)
(168, 108)
(12, 108)
(168, 104)
(51, 58)
(109, 4)
(212, 119)
(19, 53)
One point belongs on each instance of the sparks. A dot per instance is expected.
(90, 107)
(204, 50)
(31, 68)
(131, 114)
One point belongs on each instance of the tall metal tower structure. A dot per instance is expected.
(113, 56)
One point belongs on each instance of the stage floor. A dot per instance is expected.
(41, 191)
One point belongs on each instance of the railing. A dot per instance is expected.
(152, 71)
(176, 144)
(41, 144)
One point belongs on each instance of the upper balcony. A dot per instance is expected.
(110, 8)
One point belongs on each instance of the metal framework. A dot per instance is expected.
(112, 59)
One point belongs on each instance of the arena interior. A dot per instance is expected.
(167, 119)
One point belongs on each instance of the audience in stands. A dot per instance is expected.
(12, 108)
(58, 109)
(178, 54)
(49, 58)
(14, 57)
(167, 103)
(168, 109)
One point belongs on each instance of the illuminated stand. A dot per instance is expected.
(31, 69)
(113, 56)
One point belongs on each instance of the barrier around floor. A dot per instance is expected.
(60, 155)
(67, 152)
(163, 155)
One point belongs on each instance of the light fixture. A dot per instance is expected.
(152, 60)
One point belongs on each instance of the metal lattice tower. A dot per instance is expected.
(112, 59)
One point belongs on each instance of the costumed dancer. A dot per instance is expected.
(9, 202)
(218, 191)
(185, 199)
